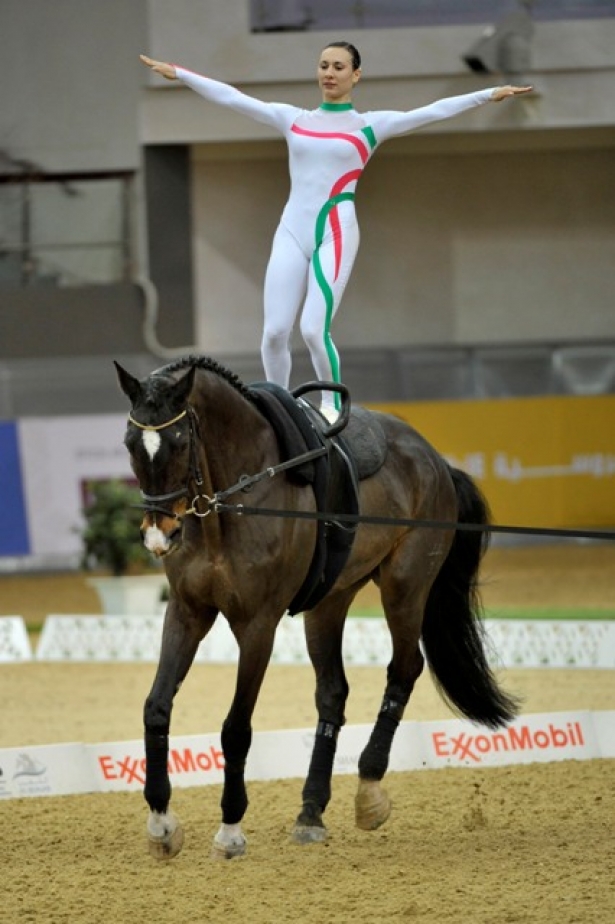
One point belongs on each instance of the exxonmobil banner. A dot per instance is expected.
(534, 738)
(197, 760)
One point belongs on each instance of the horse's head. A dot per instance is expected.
(160, 438)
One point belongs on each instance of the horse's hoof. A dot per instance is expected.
(165, 836)
(227, 848)
(309, 834)
(236, 848)
(372, 805)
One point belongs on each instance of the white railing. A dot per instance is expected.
(512, 643)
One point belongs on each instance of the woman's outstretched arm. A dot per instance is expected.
(388, 124)
(278, 115)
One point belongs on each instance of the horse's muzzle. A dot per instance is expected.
(161, 535)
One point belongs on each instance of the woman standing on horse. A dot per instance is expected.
(316, 241)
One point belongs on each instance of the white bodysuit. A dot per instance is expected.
(316, 241)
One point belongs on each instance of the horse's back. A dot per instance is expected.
(400, 438)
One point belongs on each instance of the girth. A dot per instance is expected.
(334, 478)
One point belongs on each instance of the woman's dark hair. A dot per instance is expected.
(352, 51)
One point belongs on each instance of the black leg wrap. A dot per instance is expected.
(374, 760)
(317, 788)
(235, 745)
(234, 802)
(157, 785)
(392, 708)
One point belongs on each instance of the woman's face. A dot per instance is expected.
(336, 76)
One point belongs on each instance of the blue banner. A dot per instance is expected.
(14, 537)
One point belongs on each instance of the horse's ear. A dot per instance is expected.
(183, 387)
(128, 383)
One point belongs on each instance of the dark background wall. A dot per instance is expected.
(70, 111)
(169, 222)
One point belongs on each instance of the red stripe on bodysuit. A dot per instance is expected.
(359, 145)
(334, 217)
(363, 153)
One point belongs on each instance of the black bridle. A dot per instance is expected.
(154, 503)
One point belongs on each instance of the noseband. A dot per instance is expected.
(153, 503)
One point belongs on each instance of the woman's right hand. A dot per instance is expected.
(160, 67)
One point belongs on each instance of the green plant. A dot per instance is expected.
(110, 533)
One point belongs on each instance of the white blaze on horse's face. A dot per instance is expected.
(151, 441)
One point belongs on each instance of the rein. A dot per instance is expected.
(355, 519)
(246, 482)
(152, 502)
(216, 505)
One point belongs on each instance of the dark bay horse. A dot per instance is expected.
(193, 431)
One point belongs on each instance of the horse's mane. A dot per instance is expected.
(208, 365)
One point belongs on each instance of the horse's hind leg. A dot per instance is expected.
(404, 591)
(180, 640)
(324, 628)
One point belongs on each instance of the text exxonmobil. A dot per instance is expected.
(473, 748)
(131, 769)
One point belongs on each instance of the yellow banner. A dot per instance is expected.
(540, 461)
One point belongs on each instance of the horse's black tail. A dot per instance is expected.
(453, 633)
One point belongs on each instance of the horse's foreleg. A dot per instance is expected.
(180, 641)
(230, 840)
(255, 647)
(323, 628)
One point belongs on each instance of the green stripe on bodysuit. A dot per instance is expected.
(325, 288)
(368, 131)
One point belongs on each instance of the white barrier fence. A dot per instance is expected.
(512, 643)
(14, 641)
(196, 760)
(137, 638)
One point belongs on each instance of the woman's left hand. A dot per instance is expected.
(160, 67)
(501, 93)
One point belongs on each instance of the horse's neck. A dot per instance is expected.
(235, 438)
